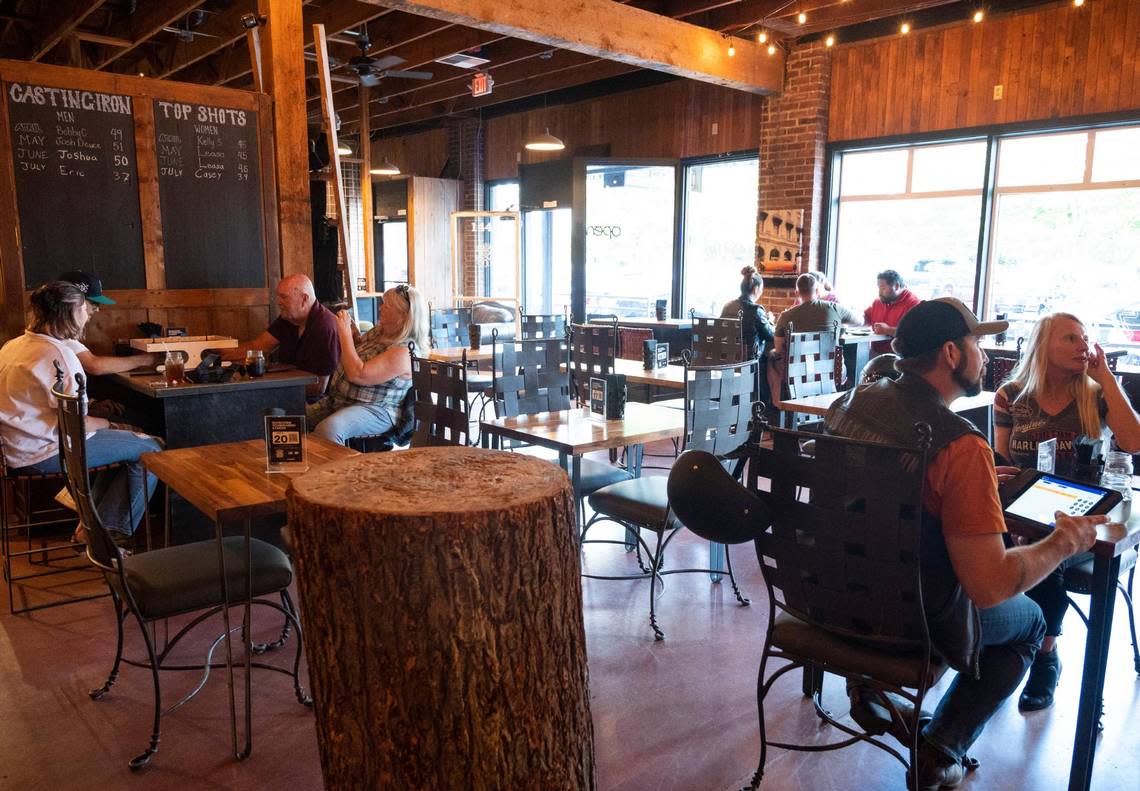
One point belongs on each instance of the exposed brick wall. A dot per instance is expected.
(792, 146)
(466, 152)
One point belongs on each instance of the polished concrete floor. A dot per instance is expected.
(678, 714)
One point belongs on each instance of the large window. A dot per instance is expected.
(629, 238)
(719, 237)
(914, 210)
(1061, 231)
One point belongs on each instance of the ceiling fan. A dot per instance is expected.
(371, 70)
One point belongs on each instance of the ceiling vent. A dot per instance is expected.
(463, 60)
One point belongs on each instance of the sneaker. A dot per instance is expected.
(1043, 676)
(936, 770)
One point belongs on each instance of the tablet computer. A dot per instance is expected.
(1034, 496)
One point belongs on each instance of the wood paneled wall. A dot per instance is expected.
(1053, 61)
(671, 120)
(420, 154)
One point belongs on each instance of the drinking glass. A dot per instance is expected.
(1118, 475)
(174, 371)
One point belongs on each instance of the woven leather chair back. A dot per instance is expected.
(442, 413)
(716, 341)
(530, 376)
(593, 348)
(449, 328)
(842, 551)
(718, 406)
(631, 341)
(542, 325)
(813, 358)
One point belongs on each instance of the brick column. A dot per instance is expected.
(792, 145)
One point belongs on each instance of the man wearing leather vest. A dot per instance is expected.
(973, 585)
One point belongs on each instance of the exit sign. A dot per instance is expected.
(481, 84)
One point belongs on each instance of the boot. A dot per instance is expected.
(1043, 675)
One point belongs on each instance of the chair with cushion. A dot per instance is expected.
(532, 377)
(397, 436)
(169, 582)
(839, 550)
(718, 405)
(716, 341)
(440, 408)
(1079, 580)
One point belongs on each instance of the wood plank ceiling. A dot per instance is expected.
(203, 41)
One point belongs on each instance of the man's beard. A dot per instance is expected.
(889, 298)
(971, 388)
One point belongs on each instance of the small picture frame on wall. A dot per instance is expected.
(779, 241)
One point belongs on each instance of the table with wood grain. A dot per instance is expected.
(228, 482)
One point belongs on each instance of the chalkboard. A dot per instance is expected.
(209, 190)
(73, 152)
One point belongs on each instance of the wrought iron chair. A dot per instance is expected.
(19, 513)
(449, 327)
(718, 405)
(1079, 580)
(593, 349)
(716, 341)
(533, 376)
(173, 581)
(397, 436)
(812, 361)
(840, 557)
(440, 407)
(631, 340)
(1001, 368)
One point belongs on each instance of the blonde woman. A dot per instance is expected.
(1062, 388)
(374, 373)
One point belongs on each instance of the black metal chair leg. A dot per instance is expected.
(654, 576)
(744, 602)
(283, 637)
(120, 614)
(1127, 591)
(141, 760)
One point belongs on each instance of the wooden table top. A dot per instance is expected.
(455, 354)
(573, 431)
(652, 323)
(228, 481)
(861, 335)
(818, 405)
(671, 376)
(153, 385)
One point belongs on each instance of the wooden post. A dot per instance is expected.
(443, 612)
(283, 75)
(366, 190)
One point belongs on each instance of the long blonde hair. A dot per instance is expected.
(415, 326)
(1030, 372)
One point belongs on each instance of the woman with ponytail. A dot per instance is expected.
(755, 322)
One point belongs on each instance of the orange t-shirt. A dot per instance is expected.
(962, 489)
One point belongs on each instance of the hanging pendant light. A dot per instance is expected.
(344, 149)
(384, 168)
(545, 142)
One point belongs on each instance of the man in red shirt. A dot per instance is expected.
(885, 313)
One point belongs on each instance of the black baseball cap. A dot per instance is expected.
(930, 324)
(89, 285)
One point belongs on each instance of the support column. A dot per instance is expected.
(283, 72)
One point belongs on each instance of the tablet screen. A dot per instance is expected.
(1049, 494)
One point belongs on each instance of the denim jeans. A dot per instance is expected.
(358, 420)
(1011, 634)
(118, 494)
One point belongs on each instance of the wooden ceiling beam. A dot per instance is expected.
(58, 22)
(218, 32)
(833, 15)
(99, 38)
(578, 74)
(144, 24)
(617, 32)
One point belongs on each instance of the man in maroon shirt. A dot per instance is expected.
(885, 313)
(304, 334)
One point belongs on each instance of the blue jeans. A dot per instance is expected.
(118, 494)
(341, 425)
(1011, 634)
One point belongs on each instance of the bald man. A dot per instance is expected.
(304, 334)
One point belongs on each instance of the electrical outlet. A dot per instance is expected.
(715, 127)
(999, 91)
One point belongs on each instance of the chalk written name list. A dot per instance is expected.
(210, 195)
(73, 153)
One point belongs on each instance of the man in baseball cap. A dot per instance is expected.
(986, 628)
(97, 364)
(89, 285)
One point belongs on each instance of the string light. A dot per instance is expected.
(904, 28)
(801, 18)
(771, 49)
(731, 51)
(829, 41)
(1078, 3)
(979, 16)
(762, 38)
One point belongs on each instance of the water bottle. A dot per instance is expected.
(1118, 475)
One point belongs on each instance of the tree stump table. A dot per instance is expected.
(442, 608)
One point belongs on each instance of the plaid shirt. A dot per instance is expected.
(344, 393)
